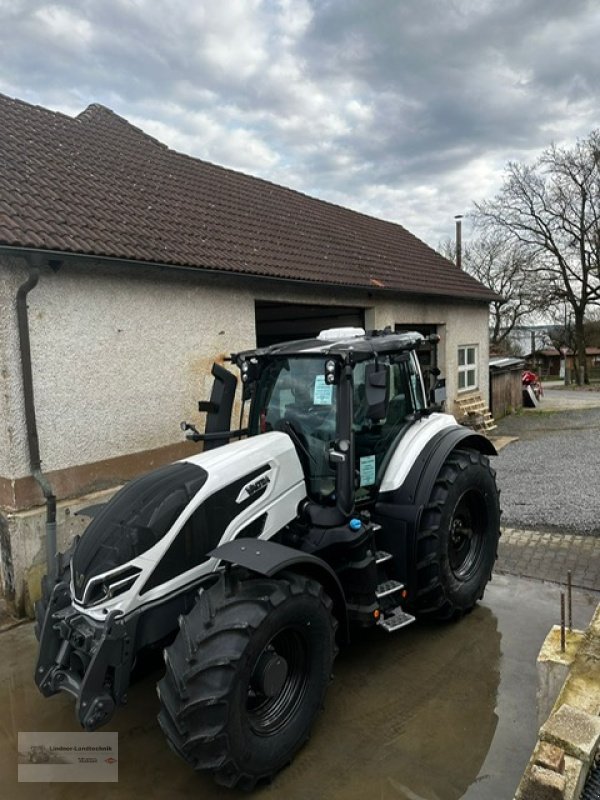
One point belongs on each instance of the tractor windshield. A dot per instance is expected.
(293, 396)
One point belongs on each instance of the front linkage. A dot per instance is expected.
(88, 659)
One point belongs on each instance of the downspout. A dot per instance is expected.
(30, 418)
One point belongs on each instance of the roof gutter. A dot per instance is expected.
(30, 418)
(63, 255)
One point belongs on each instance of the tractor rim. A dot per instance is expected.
(278, 683)
(467, 534)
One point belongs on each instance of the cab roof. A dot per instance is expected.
(343, 343)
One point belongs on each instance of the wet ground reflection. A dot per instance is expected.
(410, 716)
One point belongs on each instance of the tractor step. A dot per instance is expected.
(396, 620)
(381, 557)
(388, 587)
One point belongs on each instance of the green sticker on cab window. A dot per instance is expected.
(367, 470)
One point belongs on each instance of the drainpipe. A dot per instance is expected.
(30, 419)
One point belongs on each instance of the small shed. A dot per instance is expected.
(506, 395)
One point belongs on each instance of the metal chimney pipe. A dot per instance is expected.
(458, 219)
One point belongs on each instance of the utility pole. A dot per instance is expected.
(458, 219)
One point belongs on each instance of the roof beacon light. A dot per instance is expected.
(340, 334)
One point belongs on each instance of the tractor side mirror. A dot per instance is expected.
(437, 396)
(218, 409)
(377, 391)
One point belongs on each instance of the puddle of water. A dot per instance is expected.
(420, 715)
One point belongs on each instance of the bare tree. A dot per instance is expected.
(552, 208)
(506, 267)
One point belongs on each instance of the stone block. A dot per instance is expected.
(553, 668)
(576, 731)
(550, 756)
(542, 784)
(575, 775)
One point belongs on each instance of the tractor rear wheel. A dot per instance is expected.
(246, 676)
(457, 541)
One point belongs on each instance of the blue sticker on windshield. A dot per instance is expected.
(367, 470)
(323, 392)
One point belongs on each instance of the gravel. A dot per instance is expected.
(550, 478)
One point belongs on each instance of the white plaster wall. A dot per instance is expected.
(13, 437)
(119, 360)
(122, 354)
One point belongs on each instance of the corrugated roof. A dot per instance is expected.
(97, 185)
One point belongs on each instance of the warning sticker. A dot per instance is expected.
(323, 392)
(367, 470)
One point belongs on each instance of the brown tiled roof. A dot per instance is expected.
(96, 185)
(552, 352)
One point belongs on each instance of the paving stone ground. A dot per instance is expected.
(549, 556)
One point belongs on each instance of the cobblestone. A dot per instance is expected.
(549, 556)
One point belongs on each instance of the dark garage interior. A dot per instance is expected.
(281, 322)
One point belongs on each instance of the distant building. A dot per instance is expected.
(547, 361)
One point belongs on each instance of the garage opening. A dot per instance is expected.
(283, 322)
(427, 352)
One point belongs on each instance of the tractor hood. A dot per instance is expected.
(153, 536)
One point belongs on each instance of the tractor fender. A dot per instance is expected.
(269, 558)
(416, 488)
(401, 508)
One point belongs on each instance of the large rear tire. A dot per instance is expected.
(457, 541)
(246, 676)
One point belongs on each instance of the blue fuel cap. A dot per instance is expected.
(354, 524)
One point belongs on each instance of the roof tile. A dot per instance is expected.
(97, 185)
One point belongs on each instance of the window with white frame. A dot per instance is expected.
(467, 367)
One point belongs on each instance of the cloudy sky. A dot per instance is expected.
(404, 109)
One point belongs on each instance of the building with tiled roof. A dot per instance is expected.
(151, 264)
(97, 186)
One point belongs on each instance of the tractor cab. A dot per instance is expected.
(345, 399)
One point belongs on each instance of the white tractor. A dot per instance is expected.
(349, 500)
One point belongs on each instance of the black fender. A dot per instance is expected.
(400, 510)
(270, 558)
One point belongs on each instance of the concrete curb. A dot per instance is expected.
(569, 739)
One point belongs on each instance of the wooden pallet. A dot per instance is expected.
(473, 412)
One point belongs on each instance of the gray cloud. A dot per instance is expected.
(404, 110)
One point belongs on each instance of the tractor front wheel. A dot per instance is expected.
(246, 676)
(457, 541)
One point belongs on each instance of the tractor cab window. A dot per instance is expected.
(292, 396)
(373, 439)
